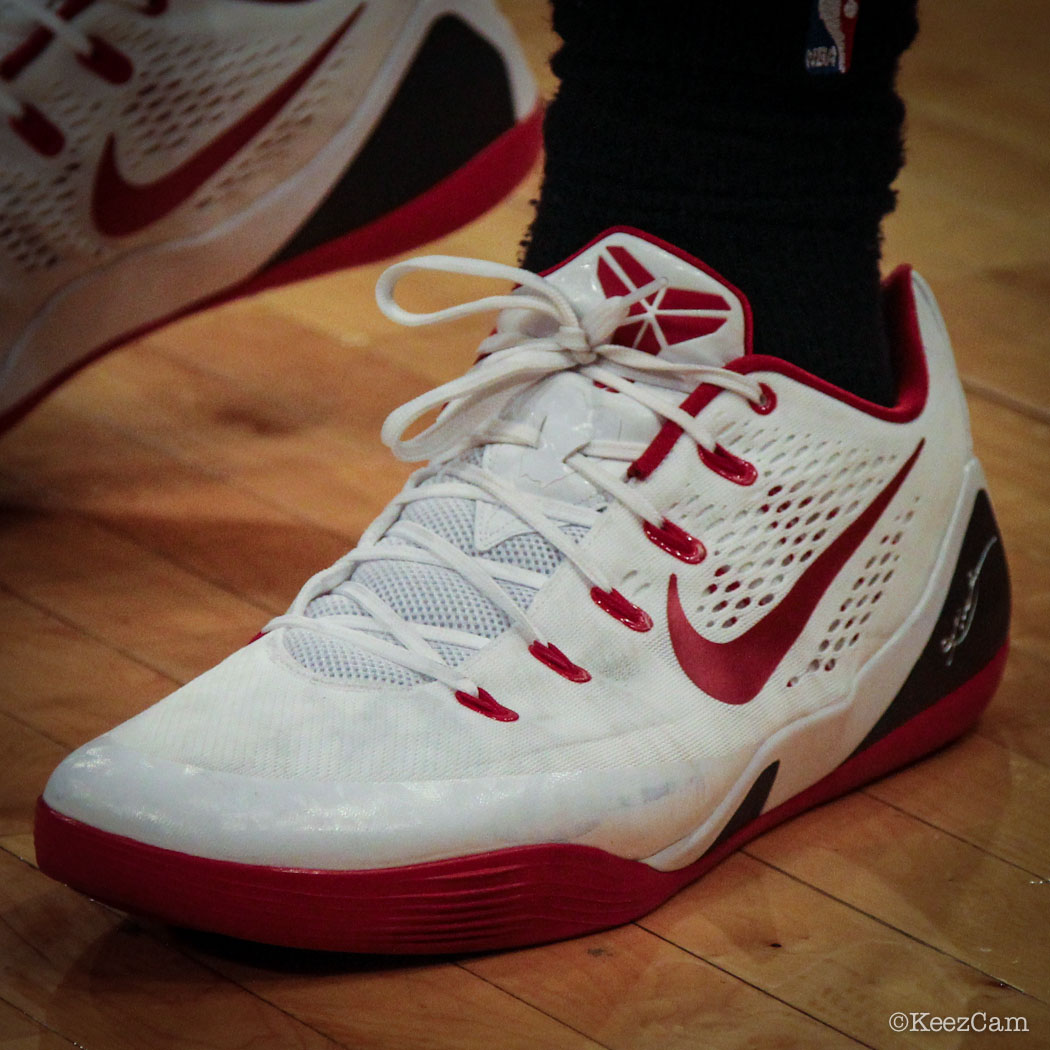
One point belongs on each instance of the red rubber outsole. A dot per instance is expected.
(509, 898)
(459, 198)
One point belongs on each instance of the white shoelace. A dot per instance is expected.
(33, 13)
(513, 361)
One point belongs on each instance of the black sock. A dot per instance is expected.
(700, 122)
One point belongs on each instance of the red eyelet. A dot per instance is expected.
(484, 704)
(730, 467)
(768, 402)
(38, 131)
(616, 605)
(556, 660)
(154, 7)
(676, 541)
(107, 62)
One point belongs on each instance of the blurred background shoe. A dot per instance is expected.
(157, 157)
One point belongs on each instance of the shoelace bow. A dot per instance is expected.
(513, 360)
(95, 53)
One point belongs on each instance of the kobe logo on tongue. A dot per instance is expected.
(668, 316)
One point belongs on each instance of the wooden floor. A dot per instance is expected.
(164, 504)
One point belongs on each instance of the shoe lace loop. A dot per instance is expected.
(517, 356)
(539, 334)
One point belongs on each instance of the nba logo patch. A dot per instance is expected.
(829, 45)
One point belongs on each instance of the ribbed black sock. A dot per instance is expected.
(699, 122)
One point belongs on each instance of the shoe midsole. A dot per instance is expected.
(505, 898)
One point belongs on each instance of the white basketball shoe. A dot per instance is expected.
(653, 594)
(157, 156)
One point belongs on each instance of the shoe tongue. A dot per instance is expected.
(698, 318)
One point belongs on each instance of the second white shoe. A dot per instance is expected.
(158, 156)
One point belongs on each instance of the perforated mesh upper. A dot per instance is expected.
(193, 85)
(760, 551)
(40, 224)
(426, 594)
(186, 88)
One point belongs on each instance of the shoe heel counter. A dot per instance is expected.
(457, 97)
(971, 631)
(944, 386)
(485, 18)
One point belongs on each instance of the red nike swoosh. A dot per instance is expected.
(735, 672)
(121, 208)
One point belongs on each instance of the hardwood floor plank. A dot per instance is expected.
(20, 1032)
(97, 980)
(387, 1004)
(828, 959)
(972, 212)
(20, 846)
(1002, 811)
(118, 592)
(330, 471)
(633, 991)
(1016, 717)
(26, 761)
(937, 889)
(197, 520)
(67, 686)
(999, 319)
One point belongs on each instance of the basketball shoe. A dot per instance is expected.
(653, 594)
(157, 155)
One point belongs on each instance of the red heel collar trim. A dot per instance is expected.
(909, 361)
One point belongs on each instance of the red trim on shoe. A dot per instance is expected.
(692, 260)
(725, 464)
(120, 208)
(38, 132)
(909, 362)
(670, 432)
(676, 541)
(508, 898)
(39, 38)
(485, 704)
(467, 193)
(735, 672)
(768, 402)
(551, 656)
(107, 62)
(619, 608)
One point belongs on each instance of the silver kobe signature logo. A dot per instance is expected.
(963, 619)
